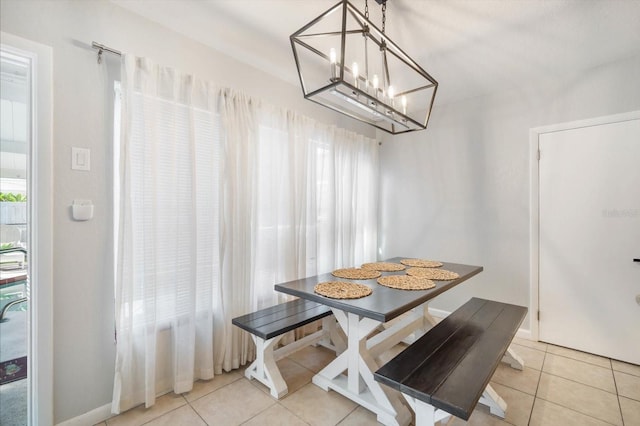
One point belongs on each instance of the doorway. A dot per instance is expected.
(26, 232)
(589, 236)
(15, 143)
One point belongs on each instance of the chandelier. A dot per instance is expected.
(349, 65)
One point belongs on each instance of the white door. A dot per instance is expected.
(589, 283)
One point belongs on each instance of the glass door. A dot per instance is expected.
(15, 144)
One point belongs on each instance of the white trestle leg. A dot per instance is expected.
(264, 368)
(513, 360)
(358, 362)
(426, 414)
(491, 399)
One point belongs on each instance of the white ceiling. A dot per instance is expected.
(472, 47)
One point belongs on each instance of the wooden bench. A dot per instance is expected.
(447, 371)
(267, 326)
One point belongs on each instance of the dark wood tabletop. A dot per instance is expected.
(385, 303)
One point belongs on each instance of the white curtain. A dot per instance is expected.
(167, 260)
(221, 197)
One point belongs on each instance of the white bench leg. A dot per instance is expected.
(511, 358)
(426, 414)
(264, 368)
(496, 404)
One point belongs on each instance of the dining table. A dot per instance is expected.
(373, 325)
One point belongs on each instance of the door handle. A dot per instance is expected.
(636, 260)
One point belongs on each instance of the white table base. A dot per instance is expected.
(360, 361)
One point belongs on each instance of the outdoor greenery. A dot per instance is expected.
(12, 198)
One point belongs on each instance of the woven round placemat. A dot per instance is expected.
(406, 282)
(421, 263)
(384, 266)
(342, 290)
(356, 273)
(433, 274)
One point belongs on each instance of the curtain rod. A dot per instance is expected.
(102, 48)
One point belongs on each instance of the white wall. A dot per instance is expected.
(84, 350)
(459, 191)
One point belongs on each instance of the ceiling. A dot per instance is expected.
(471, 47)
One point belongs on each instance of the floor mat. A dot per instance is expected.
(12, 370)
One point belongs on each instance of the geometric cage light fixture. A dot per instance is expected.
(349, 65)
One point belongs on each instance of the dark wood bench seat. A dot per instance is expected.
(267, 326)
(449, 368)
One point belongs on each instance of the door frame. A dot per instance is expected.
(40, 228)
(534, 212)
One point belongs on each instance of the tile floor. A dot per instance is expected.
(558, 386)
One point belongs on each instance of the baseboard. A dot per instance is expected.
(90, 418)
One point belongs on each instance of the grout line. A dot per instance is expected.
(535, 395)
(615, 384)
(257, 414)
(569, 408)
(294, 414)
(580, 383)
(576, 411)
(167, 412)
(348, 414)
(215, 390)
(198, 414)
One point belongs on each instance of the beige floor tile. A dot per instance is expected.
(523, 380)
(232, 404)
(360, 417)
(204, 387)
(580, 356)
(533, 358)
(630, 411)
(541, 346)
(519, 404)
(184, 415)
(628, 385)
(313, 358)
(318, 407)
(276, 415)
(546, 413)
(140, 415)
(479, 417)
(625, 367)
(294, 375)
(579, 371)
(579, 397)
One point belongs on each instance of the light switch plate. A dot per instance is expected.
(80, 159)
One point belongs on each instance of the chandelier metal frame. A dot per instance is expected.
(362, 96)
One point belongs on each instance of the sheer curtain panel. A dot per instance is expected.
(168, 245)
(222, 196)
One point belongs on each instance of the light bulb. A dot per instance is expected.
(354, 70)
(390, 92)
(332, 63)
(404, 104)
(375, 83)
